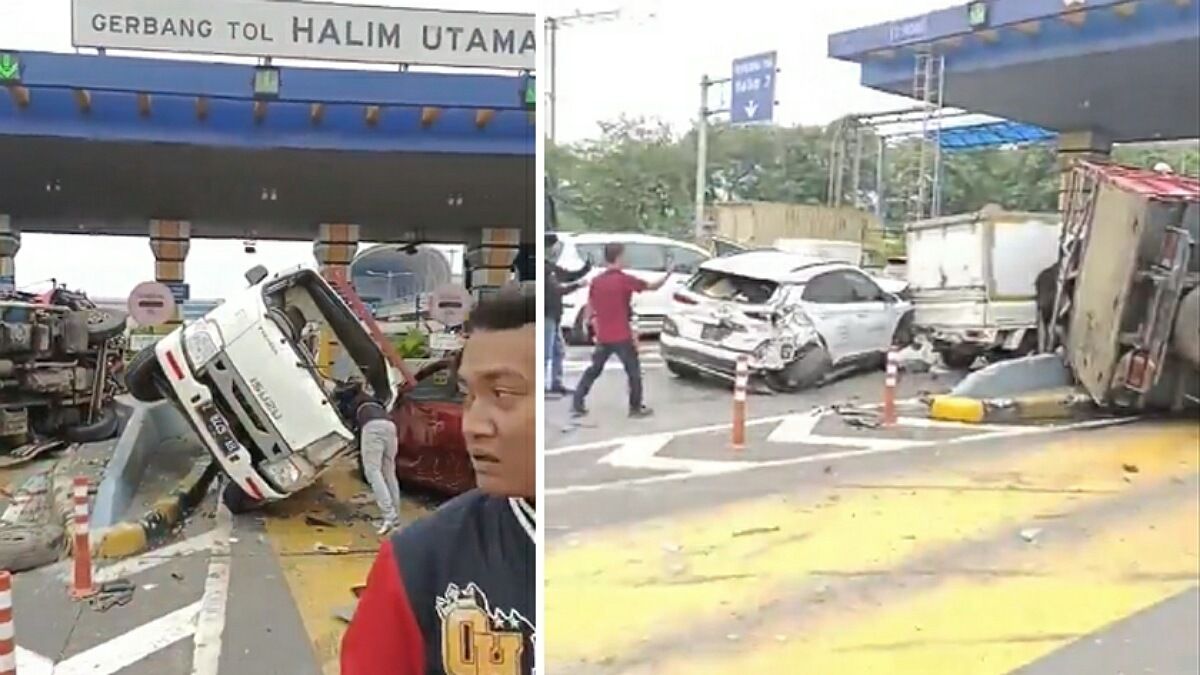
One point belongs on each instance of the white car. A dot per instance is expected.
(247, 382)
(646, 257)
(796, 319)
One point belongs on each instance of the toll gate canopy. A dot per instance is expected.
(1123, 69)
(101, 144)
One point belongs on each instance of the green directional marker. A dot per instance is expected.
(10, 68)
(531, 92)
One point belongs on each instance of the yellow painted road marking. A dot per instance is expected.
(607, 596)
(320, 584)
(987, 625)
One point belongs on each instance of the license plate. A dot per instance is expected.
(218, 426)
(444, 342)
(714, 333)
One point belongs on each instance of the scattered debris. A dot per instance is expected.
(733, 637)
(828, 469)
(344, 613)
(30, 452)
(756, 530)
(116, 593)
(1130, 468)
(362, 499)
(1031, 534)
(858, 417)
(176, 576)
(317, 521)
(330, 550)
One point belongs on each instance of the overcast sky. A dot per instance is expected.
(637, 65)
(652, 66)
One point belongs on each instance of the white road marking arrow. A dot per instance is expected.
(751, 109)
(801, 428)
(641, 453)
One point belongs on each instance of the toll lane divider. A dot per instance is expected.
(125, 539)
(1036, 406)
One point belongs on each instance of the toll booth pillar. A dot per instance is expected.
(1076, 145)
(334, 249)
(490, 262)
(170, 241)
(10, 243)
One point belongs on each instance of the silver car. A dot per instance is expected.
(798, 320)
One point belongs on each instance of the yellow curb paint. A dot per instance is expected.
(1037, 598)
(121, 541)
(320, 583)
(957, 409)
(681, 572)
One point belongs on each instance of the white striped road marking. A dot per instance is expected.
(146, 561)
(878, 449)
(210, 623)
(127, 649)
(641, 453)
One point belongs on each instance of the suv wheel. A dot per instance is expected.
(144, 377)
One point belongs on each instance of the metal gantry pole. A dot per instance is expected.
(552, 39)
(702, 159)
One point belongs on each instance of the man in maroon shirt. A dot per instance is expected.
(453, 593)
(610, 302)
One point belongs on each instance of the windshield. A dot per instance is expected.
(303, 301)
(725, 286)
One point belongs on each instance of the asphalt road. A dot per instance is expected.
(235, 595)
(823, 547)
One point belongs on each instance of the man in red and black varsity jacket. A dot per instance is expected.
(453, 593)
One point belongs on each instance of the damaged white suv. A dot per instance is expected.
(246, 379)
(798, 320)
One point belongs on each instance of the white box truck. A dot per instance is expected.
(972, 281)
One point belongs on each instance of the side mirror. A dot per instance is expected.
(256, 274)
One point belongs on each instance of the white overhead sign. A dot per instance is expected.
(307, 30)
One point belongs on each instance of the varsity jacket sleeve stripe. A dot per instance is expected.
(384, 637)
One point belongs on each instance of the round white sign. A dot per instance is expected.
(151, 304)
(449, 304)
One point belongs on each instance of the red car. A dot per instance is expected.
(428, 417)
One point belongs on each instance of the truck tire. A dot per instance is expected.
(805, 372)
(104, 324)
(144, 376)
(957, 359)
(105, 427)
(236, 499)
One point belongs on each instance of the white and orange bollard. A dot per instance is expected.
(8, 635)
(889, 387)
(81, 582)
(740, 382)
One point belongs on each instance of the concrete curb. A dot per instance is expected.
(126, 539)
(1036, 406)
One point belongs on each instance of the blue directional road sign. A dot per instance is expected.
(753, 97)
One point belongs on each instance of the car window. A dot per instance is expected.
(830, 288)
(863, 288)
(722, 286)
(593, 253)
(646, 257)
(686, 260)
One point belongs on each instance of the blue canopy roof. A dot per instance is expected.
(992, 134)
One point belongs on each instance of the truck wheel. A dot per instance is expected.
(805, 372)
(105, 427)
(957, 359)
(104, 325)
(144, 376)
(236, 499)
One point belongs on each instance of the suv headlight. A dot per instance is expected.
(287, 474)
(201, 344)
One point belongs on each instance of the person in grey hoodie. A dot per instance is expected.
(378, 443)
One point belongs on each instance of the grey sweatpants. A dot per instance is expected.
(379, 446)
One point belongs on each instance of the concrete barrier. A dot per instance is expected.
(1033, 406)
(150, 428)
